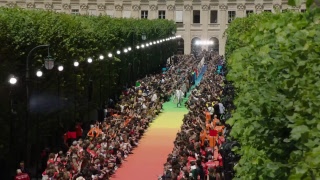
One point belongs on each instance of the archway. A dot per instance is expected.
(180, 49)
(195, 49)
(215, 46)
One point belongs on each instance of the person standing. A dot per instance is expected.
(179, 96)
(221, 108)
(216, 108)
(184, 89)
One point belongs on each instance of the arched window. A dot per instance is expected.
(180, 49)
(195, 49)
(215, 46)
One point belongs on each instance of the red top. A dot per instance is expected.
(71, 135)
(213, 132)
(22, 176)
(79, 130)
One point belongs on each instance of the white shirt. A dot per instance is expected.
(221, 108)
(179, 94)
(154, 97)
(211, 110)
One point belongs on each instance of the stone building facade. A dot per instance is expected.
(196, 19)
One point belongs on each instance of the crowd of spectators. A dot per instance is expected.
(99, 153)
(196, 154)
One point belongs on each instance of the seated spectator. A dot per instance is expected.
(21, 176)
(108, 143)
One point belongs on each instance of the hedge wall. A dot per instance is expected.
(71, 37)
(274, 63)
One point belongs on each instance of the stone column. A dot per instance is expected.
(118, 12)
(259, 8)
(153, 12)
(48, 6)
(135, 11)
(30, 5)
(277, 7)
(170, 12)
(204, 21)
(83, 8)
(222, 21)
(241, 11)
(66, 8)
(187, 20)
(101, 9)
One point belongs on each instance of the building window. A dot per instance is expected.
(268, 11)
(75, 11)
(144, 14)
(303, 10)
(196, 16)
(213, 16)
(231, 16)
(248, 12)
(179, 16)
(162, 14)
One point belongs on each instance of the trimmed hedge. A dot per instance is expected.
(273, 60)
(71, 37)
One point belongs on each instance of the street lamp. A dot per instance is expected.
(101, 57)
(138, 47)
(150, 43)
(89, 60)
(142, 46)
(13, 80)
(110, 55)
(49, 64)
(147, 45)
(60, 69)
(129, 48)
(125, 50)
(158, 42)
(76, 64)
(118, 52)
(39, 73)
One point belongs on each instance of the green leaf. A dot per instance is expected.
(294, 2)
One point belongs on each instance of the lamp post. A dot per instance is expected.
(60, 69)
(75, 64)
(12, 81)
(125, 63)
(131, 68)
(110, 55)
(101, 57)
(49, 64)
(39, 75)
(89, 60)
(143, 37)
